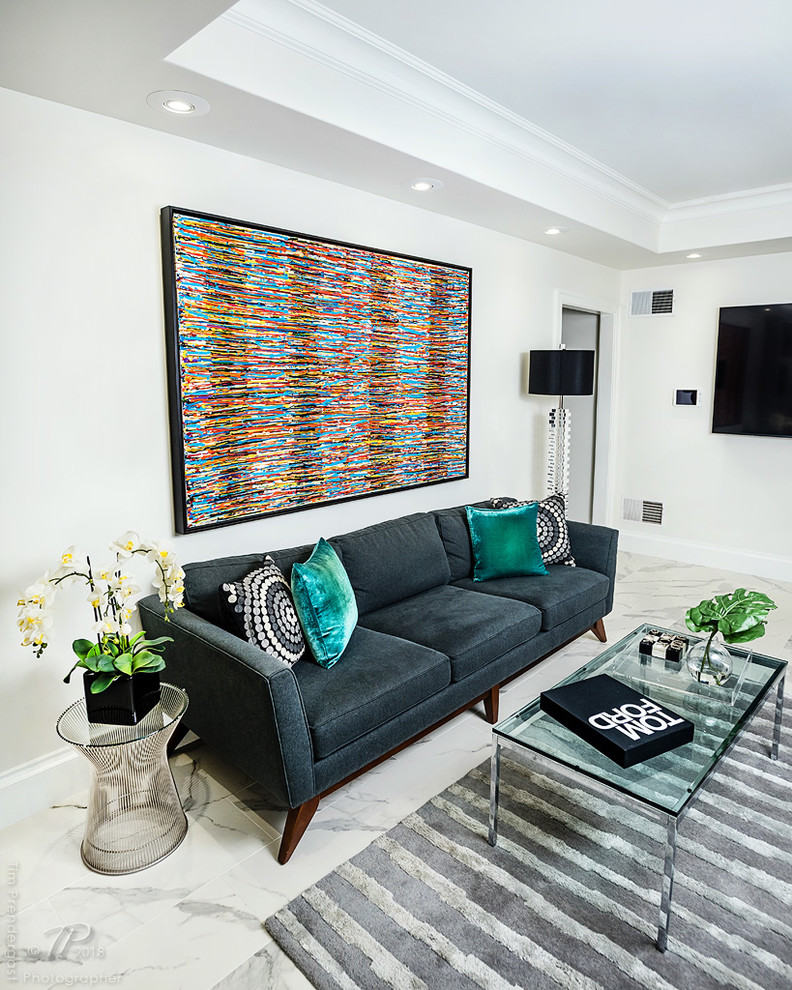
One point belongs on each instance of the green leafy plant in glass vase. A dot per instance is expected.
(738, 617)
(116, 653)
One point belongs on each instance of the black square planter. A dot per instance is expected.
(125, 702)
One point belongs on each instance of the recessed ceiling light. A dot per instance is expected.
(695, 254)
(179, 106)
(556, 230)
(424, 185)
(176, 102)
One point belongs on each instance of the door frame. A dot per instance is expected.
(602, 507)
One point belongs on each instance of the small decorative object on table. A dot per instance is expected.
(739, 618)
(665, 645)
(121, 668)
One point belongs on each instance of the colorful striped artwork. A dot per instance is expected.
(304, 371)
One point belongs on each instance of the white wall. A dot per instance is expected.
(83, 392)
(726, 498)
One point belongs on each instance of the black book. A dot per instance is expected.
(621, 723)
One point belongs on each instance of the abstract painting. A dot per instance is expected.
(303, 371)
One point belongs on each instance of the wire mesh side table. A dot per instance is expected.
(135, 817)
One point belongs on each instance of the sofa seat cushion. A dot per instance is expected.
(380, 678)
(559, 595)
(471, 629)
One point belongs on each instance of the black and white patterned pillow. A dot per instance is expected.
(259, 608)
(551, 527)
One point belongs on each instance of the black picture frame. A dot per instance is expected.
(370, 340)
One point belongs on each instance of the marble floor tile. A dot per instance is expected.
(267, 969)
(219, 837)
(45, 861)
(193, 944)
(195, 921)
(45, 825)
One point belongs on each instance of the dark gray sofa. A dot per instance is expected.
(430, 643)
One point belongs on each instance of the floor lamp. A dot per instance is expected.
(560, 373)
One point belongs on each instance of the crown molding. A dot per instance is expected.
(312, 31)
(744, 201)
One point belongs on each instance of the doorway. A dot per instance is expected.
(580, 330)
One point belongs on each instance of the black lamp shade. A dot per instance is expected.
(561, 372)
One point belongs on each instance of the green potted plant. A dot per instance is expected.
(738, 617)
(121, 668)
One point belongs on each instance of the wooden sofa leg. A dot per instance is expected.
(491, 702)
(599, 631)
(297, 822)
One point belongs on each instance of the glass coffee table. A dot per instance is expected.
(665, 786)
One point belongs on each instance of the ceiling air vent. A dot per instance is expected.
(639, 510)
(653, 302)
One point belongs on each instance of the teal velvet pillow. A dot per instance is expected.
(504, 542)
(325, 603)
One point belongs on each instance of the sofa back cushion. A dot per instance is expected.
(286, 559)
(393, 560)
(454, 531)
(202, 581)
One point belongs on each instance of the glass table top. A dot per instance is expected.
(73, 725)
(668, 781)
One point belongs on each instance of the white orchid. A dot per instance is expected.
(105, 627)
(113, 626)
(160, 553)
(122, 585)
(33, 624)
(96, 597)
(126, 544)
(40, 594)
(169, 582)
(173, 593)
(72, 566)
(111, 596)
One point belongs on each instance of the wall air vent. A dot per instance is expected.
(653, 302)
(639, 510)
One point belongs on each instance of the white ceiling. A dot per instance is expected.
(650, 128)
(683, 97)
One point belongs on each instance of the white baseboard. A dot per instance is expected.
(41, 783)
(766, 565)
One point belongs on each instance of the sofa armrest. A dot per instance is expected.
(594, 547)
(243, 702)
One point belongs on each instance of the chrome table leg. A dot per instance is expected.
(668, 885)
(494, 790)
(779, 712)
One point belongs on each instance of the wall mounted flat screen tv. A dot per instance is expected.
(753, 372)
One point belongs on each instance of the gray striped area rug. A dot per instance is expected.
(569, 897)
